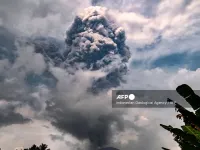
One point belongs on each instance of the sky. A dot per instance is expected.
(163, 38)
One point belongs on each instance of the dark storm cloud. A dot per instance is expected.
(8, 115)
(10, 118)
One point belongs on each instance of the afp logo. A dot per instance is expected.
(129, 97)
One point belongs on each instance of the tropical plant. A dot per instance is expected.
(188, 137)
(41, 147)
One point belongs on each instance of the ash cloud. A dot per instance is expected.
(51, 48)
(94, 33)
(96, 129)
(93, 56)
(85, 116)
(95, 42)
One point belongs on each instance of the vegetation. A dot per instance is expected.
(188, 137)
(41, 147)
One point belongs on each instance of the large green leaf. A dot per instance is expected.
(190, 130)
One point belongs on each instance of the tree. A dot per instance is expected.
(35, 147)
(188, 137)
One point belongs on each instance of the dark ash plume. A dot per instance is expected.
(96, 129)
(95, 42)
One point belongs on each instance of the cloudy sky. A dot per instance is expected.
(162, 36)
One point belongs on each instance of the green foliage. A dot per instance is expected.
(192, 131)
(188, 137)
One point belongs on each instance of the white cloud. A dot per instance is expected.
(40, 17)
(33, 133)
(177, 23)
(158, 78)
